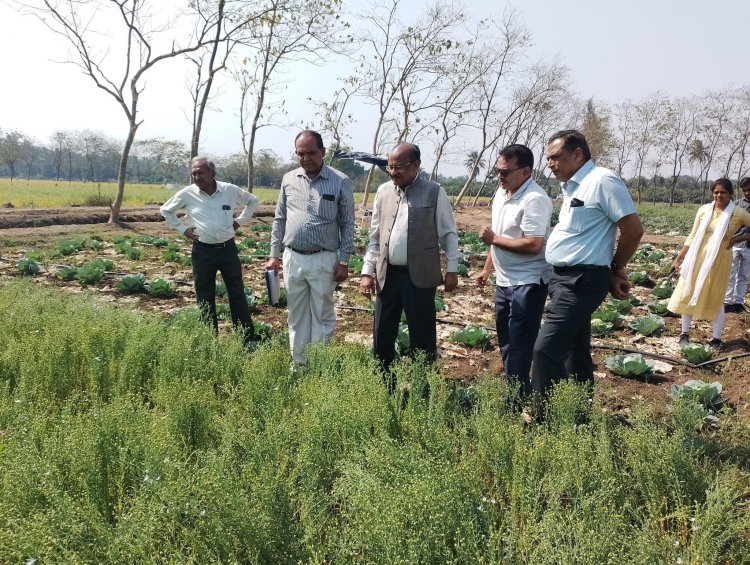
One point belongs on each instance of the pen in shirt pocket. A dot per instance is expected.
(575, 203)
(226, 207)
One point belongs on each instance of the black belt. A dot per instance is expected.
(392, 267)
(307, 252)
(227, 243)
(575, 268)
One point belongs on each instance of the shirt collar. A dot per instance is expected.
(219, 188)
(407, 187)
(580, 174)
(521, 189)
(323, 174)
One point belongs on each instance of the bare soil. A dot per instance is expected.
(22, 230)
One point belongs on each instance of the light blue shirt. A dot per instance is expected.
(526, 212)
(594, 200)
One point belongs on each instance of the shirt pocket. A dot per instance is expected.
(328, 206)
(580, 218)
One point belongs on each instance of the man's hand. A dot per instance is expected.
(191, 234)
(620, 286)
(367, 285)
(482, 277)
(451, 281)
(341, 273)
(487, 235)
(273, 264)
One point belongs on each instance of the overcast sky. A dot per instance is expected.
(614, 50)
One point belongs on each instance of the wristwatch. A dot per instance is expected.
(614, 266)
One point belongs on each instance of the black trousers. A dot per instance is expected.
(563, 346)
(399, 295)
(207, 261)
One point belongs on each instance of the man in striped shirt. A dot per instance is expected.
(314, 222)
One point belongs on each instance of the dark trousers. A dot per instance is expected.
(399, 295)
(207, 261)
(563, 347)
(518, 313)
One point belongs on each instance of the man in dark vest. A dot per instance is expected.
(412, 220)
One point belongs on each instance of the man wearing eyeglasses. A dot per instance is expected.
(412, 220)
(315, 222)
(587, 262)
(521, 213)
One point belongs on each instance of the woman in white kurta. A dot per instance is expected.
(705, 261)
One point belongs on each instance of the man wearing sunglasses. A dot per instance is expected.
(412, 220)
(521, 213)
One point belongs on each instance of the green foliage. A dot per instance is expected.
(440, 305)
(90, 272)
(28, 267)
(403, 343)
(262, 329)
(221, 289)
(659, 307)
(663, 289)
(639, 277)
(473, 336)
(600, 328)
(160, 288)
(648, 325)
(463, 269)
(630, 365)
(155, 241)
(69, 246)
(622, 306)
(67, 273)
(696, 352)
(282, 297)
(130, 438)
(252, 300)
(609, 315)
(356, 262)
(706, 394)
(131, 284)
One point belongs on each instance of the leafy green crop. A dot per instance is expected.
(659, 307)
(90, 272)
(600, 327)
(263, 330)
(622, 306)
(696, 352)
(463, 269)
(153, 240)
(66, 273)
(630, 365)
(706, 394)
(403, 344)
(131, 284)
(69, 246)
(356, 262)
(252, 300)
(639, 277)
(473, 336)
(106, 264)
(648, 325)
(440, 305)
(28, 267)
(160, 288)
(221, 289)
(663, 289)
(608, 315)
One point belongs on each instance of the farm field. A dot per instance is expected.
(129, 433)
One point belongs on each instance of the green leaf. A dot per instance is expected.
(648, 325)
(663, 289)
(696, 352)
(659, 307)
(600, 327)
(473, 336)
(90, 272)
(66, 273)
(706, 394)
(622, 306)
(28, 267)
(160, 288)
(608, 315)
(638, 277)
(630, 365)
(131, 284)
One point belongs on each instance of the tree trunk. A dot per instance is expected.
(116, 206)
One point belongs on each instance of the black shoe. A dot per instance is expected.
(740, 308)
(729, 308)
(684, 339)
(716, 344)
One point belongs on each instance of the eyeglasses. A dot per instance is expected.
(504, 172)
(393, 168)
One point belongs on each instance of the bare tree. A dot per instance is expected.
(11, 150)
(135, 38)
(623, 135)
(334, 117)
(647, 114)
(60, 141)
(393, 64)
(675, 137)
(300, 30)
(712, 121)
(738, 136)
(596, 127)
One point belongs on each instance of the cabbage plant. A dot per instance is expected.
(663, 289)
(28, 267)
(608, 315)
(600, 327)
(630, 365)
(659, 307)
(648, 325)
(90, 272)
(622, 306)
(66, 273)
(638, 277)
(132, 284)
(160, 288)
(706, 394)
(696, 352)
(473, 336)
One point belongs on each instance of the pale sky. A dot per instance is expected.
(614, 49)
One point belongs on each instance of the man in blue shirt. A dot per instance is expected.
(581, 249)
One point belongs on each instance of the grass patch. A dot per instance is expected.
(133, 438)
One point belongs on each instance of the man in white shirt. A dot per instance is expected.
(412, 220)
(521, 213)
(210, 206)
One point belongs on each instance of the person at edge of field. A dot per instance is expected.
(521, 213)
(412, 220)
(586, 264)
(704, 262)
(734, 299)
(314, 221)
(211, 226)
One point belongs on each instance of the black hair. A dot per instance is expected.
(522, 154)
(314, 134)
(745, 182)
(572, 140)
(726, 183)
